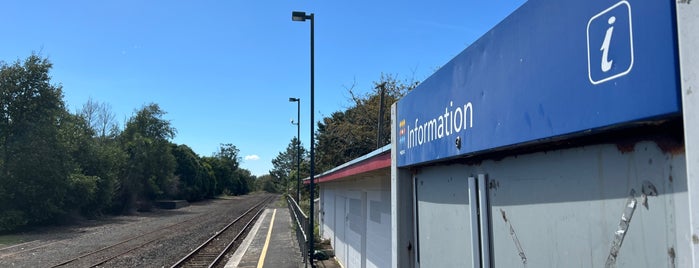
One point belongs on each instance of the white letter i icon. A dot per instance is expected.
(606, 63)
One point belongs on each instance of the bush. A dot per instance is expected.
(82, 190)
(11, 220)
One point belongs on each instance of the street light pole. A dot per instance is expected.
(302, 16)
(298, 146)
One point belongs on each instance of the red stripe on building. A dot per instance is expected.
(377, 162)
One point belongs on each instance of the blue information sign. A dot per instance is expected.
(551, 68)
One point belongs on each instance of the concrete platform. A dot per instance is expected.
(271, 242)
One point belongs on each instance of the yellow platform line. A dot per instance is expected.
(261, 262)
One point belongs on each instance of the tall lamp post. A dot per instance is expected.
(302, 16)
(298, 145)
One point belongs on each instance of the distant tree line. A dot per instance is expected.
(55, 164)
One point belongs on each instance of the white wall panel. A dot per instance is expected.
(357, 219)
(378, 233)
(444, 221)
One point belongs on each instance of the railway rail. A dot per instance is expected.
(108, 253)
(36, 245)
(212, 251)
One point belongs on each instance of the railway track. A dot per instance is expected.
(105, 254)
(211, 252)
(32, 246)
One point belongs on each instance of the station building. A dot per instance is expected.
(566, 136)
(354, 210)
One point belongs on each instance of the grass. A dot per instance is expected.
(227, 197)
(8, 240)
(281, 202)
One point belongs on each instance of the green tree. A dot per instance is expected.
(193, 175)
(266, 183)
(107, 163)
(88, 193)
(150, 165)
(285, 165)
(348, 134)
(246, 180)
(224, 165)
(209, 179)
(218, 172)
(34, 163)
(97, 153)
(228, 162)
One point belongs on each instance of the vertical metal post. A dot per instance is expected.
(312, 184)
(301, 16)
(484, 220)
(402, 221)
(473, 204)
(379, 130)
(298, 149)
(687, 23)
(416, 221)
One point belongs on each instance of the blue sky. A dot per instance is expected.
(224, 70)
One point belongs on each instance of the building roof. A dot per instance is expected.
(378, 159)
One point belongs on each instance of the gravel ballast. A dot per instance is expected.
(50, 246)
